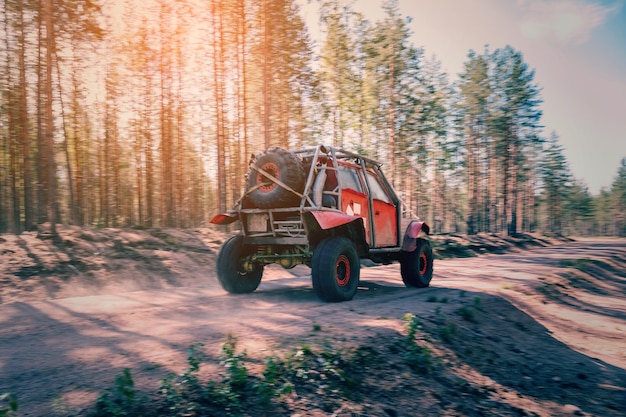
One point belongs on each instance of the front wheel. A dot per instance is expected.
(335, 269)
(417, 267)
(231, 272)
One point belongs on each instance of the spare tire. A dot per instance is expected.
(285, 166)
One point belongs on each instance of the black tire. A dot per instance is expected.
(417, 267)
(283, 165)
(335, 269)
(230, 271)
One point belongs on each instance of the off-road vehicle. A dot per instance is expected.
(326, 208)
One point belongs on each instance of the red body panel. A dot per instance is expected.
(330, 219)
(354, 203)
(385, 224)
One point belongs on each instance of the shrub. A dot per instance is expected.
(121, 400)
(418, 358)
(467, 314)
(8, 405)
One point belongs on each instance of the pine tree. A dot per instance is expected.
(618, 195)
(516, 112)
(434, 126)
(337, 68)
(579, 210)
(603, 213)
(557, 181)
(393, 62)
(364, 100)
(473, 114)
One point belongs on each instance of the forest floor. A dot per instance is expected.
(529, 326)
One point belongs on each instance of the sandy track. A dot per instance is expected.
(62, 353)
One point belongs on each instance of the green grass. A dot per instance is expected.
(578, 264)
(468, 314)
(417, 357)
(447, 332)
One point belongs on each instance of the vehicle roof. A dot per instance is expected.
(336, 153)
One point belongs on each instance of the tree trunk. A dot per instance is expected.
(392, 118)
(267, 81)
(13, 136)
(218, 73)
(66, 152)
(150, 185)
(79, 210)
(472, 183)
(181, 202)
(24, 123)
(49, 120)
(513, 188)
(243, 96)
(167, 180)
(41, 159)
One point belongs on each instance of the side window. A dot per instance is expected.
(377, 190)
(349, 178)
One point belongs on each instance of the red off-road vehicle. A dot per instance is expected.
(322, 207)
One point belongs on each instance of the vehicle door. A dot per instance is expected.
(354, 201)
(385, 213)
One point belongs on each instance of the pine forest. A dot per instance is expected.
(145, 114)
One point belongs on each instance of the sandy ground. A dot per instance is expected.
(547, 334)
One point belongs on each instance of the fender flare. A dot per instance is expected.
(335, 223)
(413, 231)
(225, 218)
(330, 219)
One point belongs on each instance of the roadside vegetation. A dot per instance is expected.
(313, 375)
(317, 374)
(8, 405)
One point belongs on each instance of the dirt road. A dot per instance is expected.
(547, 332)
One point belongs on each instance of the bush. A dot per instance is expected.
(418, 358)
(8, 405)
(120, 401)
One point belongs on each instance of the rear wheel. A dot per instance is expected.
(233, 276)
(335, 269)
(417, 267)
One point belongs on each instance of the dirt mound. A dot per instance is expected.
(87, 261)
(462, 246)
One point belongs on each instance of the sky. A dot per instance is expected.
(577, 49)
